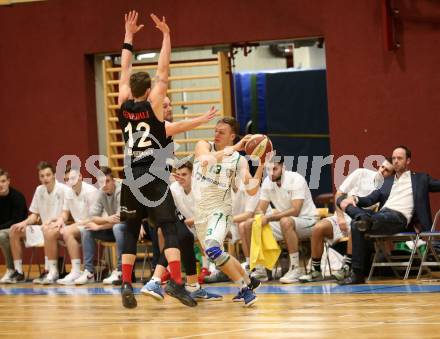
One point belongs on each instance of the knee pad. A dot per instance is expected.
(216, 254)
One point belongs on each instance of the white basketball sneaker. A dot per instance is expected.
(85, 278)
(116, 275)
(7, 276)
(69, 279)
(50, 279)
(292, 276)
(260, 273)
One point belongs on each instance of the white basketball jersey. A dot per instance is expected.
(212, 185)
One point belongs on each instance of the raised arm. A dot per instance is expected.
(159, 90)
(251, 183)
(131, 28)
(174, 128)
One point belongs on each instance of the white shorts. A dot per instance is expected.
(303, 228)
(276, 230)
(337, 233)
(215, 228)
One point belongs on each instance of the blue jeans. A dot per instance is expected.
(89, 246)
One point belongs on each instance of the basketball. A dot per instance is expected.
(258, 146)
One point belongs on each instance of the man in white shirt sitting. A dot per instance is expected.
(295, 213)
(360, 182)
(46, 205)
(78, 201)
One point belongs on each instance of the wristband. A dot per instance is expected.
(128, 46)
(180, 216)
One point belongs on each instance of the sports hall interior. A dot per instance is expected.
(370, 77)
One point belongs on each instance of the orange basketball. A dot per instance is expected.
(258, 146)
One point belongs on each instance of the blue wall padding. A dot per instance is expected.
(309, 147)
(242, 92)
(261, 102)
(296, 102)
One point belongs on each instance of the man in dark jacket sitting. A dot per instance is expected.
(403, 201)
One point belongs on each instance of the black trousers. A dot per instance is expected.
(384, 222)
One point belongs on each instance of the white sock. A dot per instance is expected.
(53, 267)
(294, 259)
(156, 279)
(248, 260)
(46, 263)
(18, 265)
(241, 283)
(192, 287)
(76, 265)
(212, 268)
(246, 278)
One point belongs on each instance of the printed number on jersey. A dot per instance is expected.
(141, 127)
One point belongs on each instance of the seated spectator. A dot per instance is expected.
(360, 183)
(13, 209)
(106, 228)
(248, 205)
(79, 199)
(403, 201)
(295, 213)
(46, 206)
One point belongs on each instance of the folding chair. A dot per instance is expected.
(434, 234)
(396, 262)
(327, 246)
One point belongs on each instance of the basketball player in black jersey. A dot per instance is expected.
(145, 191)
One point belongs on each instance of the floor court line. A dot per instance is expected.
(227, 290)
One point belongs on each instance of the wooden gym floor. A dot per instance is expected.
(385, 309)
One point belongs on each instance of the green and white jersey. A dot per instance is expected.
(212, 185)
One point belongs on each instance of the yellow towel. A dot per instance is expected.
(264, 248)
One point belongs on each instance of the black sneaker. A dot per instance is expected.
(255, 284)
(128, 299)
(179, 292)
(15, 278)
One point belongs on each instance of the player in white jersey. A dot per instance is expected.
(46, 205)
(360, 182)
(217, 170)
